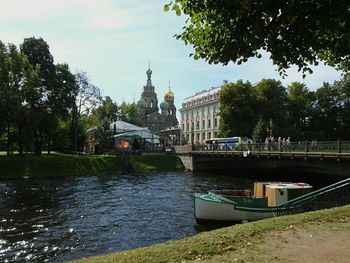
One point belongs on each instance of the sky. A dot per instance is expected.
(113, 42)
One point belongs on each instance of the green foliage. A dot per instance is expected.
(294, 32)
(107, 111)
(272, 104)
(259, 131)
(237, 109)
(86, 97)
(242, 105)
(268, 108)
(37, 96)
(129, 112)
(343, 97)
(300, 109)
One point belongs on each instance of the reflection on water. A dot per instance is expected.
(74, 217)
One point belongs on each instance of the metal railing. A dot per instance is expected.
(337, 194)
(301, 146)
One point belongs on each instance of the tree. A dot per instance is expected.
(4, 93)
(342, 93)
(11, 83)
(300, 107)
(259, 131)
(237, 109)
(294, 32)
(272, 104)
(65, 87)
(39, 56)
(30, 117)
(326, 113)
(129, 112)
(107, 111)
(85, 97)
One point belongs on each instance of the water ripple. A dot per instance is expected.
(55, 220)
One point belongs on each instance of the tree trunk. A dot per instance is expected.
(74, 135)
(20, 141)
(37, 146)
(41, 142)
(73, 132)
(8, 139)
(49, 144)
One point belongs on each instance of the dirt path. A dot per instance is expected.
(321, 242)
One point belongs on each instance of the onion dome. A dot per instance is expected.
(164, 105)
(149, 72)
(169, 94)
(141, 103)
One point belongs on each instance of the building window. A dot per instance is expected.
(197, 125)
(208, 135)
(203, 136)
(183, 127)
(203, 124)
(209, 124)
(197, 136)
(215, 122)
(188, 126)
(192, 126)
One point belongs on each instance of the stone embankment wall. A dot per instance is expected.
(184, 153)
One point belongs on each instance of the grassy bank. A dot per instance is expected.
(73, 165)
(240, 243)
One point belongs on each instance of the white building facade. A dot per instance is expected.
(200, 116)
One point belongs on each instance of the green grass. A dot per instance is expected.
(73, 164)
(232, 244)
(150, 163)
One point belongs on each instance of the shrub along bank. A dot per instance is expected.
(73, 164)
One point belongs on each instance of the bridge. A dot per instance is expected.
(310, 157)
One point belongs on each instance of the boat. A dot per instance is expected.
(246, 205)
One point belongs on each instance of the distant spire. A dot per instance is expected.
(169, 84)
(149, 72)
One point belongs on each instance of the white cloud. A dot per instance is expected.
(100, 14)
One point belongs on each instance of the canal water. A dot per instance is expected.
(60, 219)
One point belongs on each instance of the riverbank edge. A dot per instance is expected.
(57, 165)
(239, 243)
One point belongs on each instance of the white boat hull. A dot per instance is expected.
(213, 211)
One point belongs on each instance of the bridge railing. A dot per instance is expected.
(300, 146)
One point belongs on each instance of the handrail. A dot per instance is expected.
(300, 199)
(335, 147)
(320, 191)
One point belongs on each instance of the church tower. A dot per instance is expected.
(148, 102)
(169, 109)
(169, 98)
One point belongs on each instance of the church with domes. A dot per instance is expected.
(149, 111)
